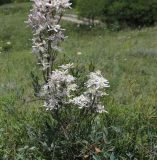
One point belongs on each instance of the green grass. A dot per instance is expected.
(127, 58)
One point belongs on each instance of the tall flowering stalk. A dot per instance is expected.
(59, 86)
(45, 21)
(72, 113)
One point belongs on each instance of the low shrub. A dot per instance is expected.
(5, 1)
(90, 8)
(131, 13)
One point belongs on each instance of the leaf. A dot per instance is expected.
(96, 157)
(112, 157)
(32, 148)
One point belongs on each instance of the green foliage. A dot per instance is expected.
(5, 1)
(129, 60)
(120, 12)
(19, 1)
(74, 2)
(131, 12)
(90, 8)
(68, 138)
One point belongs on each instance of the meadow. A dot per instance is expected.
(127, 58)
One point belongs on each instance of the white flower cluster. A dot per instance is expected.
(57, 91)
(44, 19)
(91, 98)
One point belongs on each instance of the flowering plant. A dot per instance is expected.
(60, 91)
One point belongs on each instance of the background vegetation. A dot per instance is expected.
(131, 12)
(90, 9)
(128, 59)
(122, 13)
(10, 1)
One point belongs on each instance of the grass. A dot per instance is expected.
(127, 58)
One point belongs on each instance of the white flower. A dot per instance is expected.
(67, 66)
(8, 43)
(97, 81)
(44, 64)
(79, 53)
(51, 104)
(100, 108)
(58, 89)
(61, 76)
(82, 101)
(39, 46)
(91, 98)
